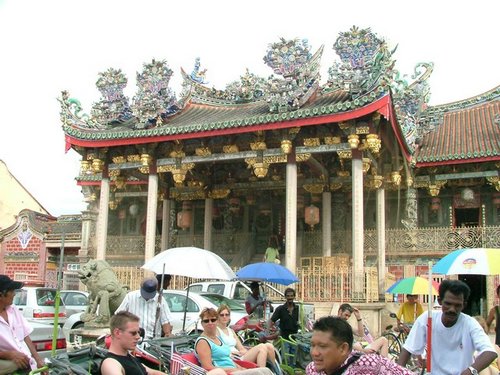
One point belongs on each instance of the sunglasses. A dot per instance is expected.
(224, 314)
(133, 333)
(211, 320)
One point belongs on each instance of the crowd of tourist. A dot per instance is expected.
(460, 343)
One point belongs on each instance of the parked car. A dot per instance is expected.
(75, 301)
(38, 303)
(176, 300)
(42, 338)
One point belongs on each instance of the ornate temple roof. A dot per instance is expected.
(463, 131)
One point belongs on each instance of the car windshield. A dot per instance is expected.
(45, 297)
(217, 300)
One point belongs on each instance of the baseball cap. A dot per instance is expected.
(6, 283)
(148, 288)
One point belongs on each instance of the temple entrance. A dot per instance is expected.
(477, 300)
(467, 217)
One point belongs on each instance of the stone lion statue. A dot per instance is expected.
(105, 292)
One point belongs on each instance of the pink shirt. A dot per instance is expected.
(367, 364)
(14, 332)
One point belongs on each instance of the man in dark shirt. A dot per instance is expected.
(287, 314)
(124, 327)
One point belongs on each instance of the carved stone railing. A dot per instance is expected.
(400, 243)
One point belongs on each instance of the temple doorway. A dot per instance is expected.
(477, 300)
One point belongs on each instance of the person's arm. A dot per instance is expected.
(357, 314)
(238, 345)
(110, 366)
(404, 356)
(21, 360)
(251, 307)
(39, 361)
(490, 319)
(481, 362)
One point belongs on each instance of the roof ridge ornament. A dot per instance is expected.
(366, 62)
(292, 60)
(113, 108)
(154, 100)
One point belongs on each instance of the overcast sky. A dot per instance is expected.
(50, 46)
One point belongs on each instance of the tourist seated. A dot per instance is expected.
(259, 354)
(379, 345)
(125, 333)
(211, 351)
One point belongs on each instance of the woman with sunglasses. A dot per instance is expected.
(258, 354)
(210, 350)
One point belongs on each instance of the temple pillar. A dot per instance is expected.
(207, 227)
(381, 242)
(411, 208)
(326, 224)
(357, 224)
(102, 218)
(291, 213)
(88, 222)
(165, 223)
(152, 207)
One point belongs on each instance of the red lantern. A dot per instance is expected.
(496, 198)
(435, 204)
(311, 215)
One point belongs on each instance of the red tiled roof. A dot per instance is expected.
(465, 135)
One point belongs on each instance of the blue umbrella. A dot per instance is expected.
(265, 271)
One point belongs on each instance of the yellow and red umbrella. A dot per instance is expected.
(413, 285)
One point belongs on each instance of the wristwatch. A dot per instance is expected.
(473, 371)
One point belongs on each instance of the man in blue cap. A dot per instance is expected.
(144, 303)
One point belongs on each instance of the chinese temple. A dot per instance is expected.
(357, 168)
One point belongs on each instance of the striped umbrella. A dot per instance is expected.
(413, 285)
(479, 261)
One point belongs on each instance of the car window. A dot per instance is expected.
(241, 292)
(216, 288)
(176, 303)
(45, 297)
(75, 299)
(21, 297)
(218, 300)
(196, 288)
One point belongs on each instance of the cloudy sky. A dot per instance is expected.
(50, 46)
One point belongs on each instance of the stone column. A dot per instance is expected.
(102, 218)
(381, 242)
(357, 223)
(411, 208)
(207, 227)
(88, 223)
(291, 213)
(165, 223)
(326, 224)
(152, 207)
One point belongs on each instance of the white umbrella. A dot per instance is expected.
(192, 262)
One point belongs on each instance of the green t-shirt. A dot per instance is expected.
(271, 254)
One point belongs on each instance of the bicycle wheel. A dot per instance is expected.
(251, 342)
(394, 345)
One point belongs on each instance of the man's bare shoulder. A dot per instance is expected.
(111, 366)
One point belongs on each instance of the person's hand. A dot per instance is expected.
(357, 314)
(21, 360)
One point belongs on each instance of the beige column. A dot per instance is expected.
(381, 242)
(357, 223)
(326, 225)
(102, 218)
(207, 227)
(291, 213)
(165, 223)
(152, 207)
